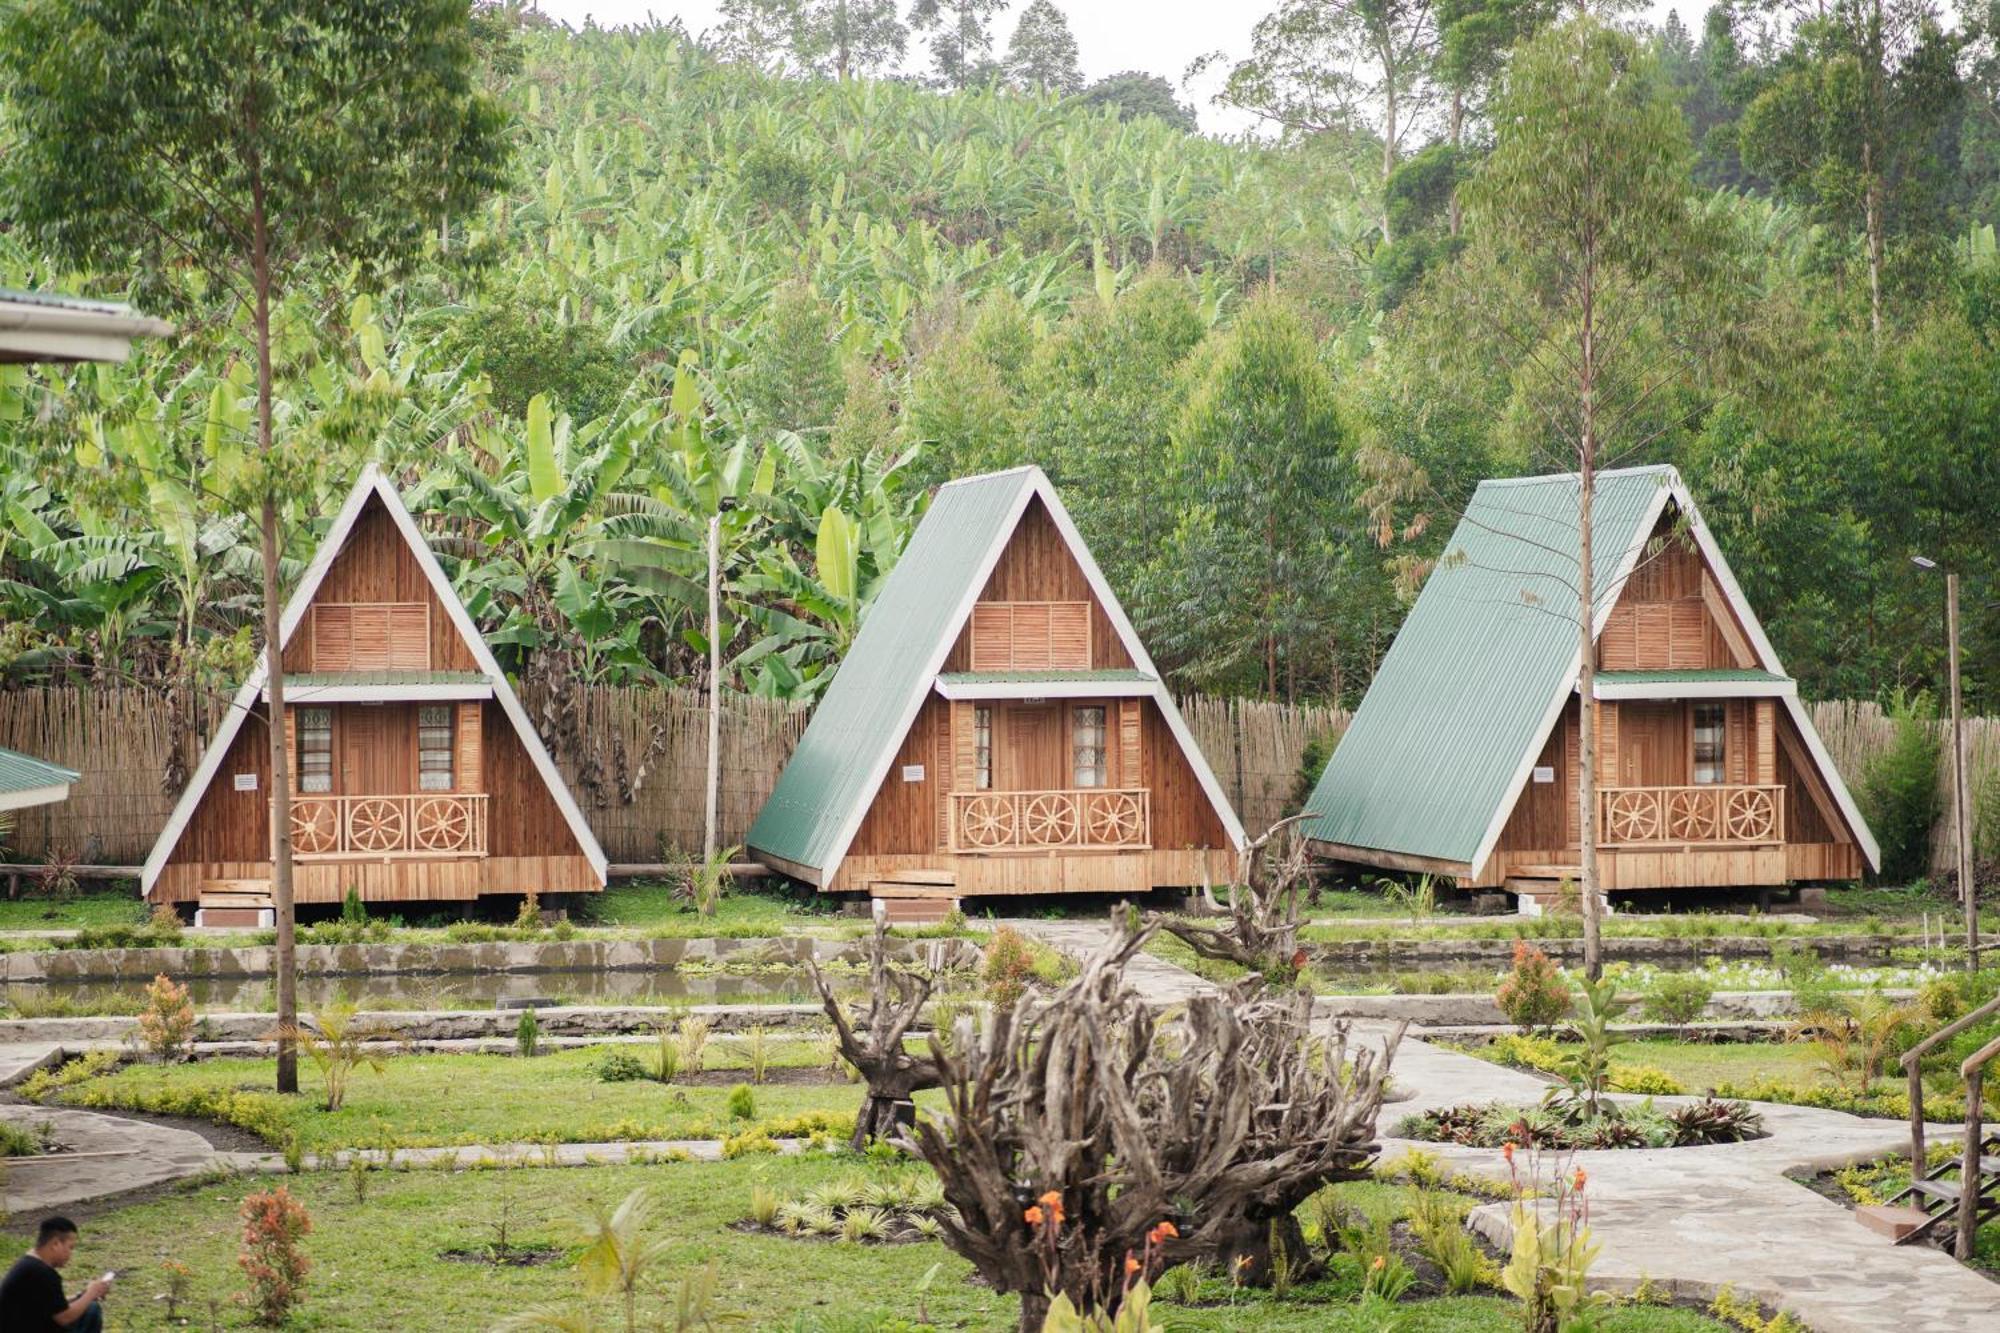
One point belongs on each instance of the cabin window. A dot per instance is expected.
(434, 747)
(1086, 743)
(982, 748)
(315, 758)
(1711, 725)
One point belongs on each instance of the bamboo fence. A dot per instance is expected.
(635, 758)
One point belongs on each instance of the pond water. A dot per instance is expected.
(462, 990)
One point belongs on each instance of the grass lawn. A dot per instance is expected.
(377, 1260)
(433, 1100)
(118, 907)
(1705, 1066)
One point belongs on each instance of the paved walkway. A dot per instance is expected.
(1691, 1219)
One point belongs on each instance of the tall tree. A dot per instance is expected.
(1042, 52)
(1584, 231)
(759, 31)
(1134, 92)
(256, 143)
(1853, 122)
(850, 37)
(1474, 39)
(961, 35)
(1244, 594)
(1353, 66)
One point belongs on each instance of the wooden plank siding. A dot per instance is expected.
(1037, 567)
(377, 566)
(1666, 618)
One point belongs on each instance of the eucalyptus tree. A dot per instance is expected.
(961, 35)
(850, 38)
(257, 145)
(1041, 54)
(1586, 230)
(1347, 66)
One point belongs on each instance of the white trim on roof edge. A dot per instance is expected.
(378, 694)
(372, 482)
(1048, 689)
(1039, 486)
(1692, 689)
(23, 797)
(1673, 488)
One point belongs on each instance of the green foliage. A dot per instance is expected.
(1899, 790)
(352, 910)
(1533, 995)
(742, 1103)
(1598, 1005)
(1645, 1080)
(1677, 997)
(617, 1066)
(274, 1224)
(1006, 966)
(527, 1033)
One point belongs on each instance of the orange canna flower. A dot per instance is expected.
(1052, 1204)
(1033, 1217)
(1131, 1265)
(1507, 1151)
(1381, 1262)
(1580, 1177)
(1165, 1231)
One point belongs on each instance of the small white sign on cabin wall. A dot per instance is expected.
(913, 772)
(1544, 773)
(244, 781)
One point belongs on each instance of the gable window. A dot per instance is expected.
(982, 747)
(315, 756)
(1711, 728)
(1086, 743)
(434, 747)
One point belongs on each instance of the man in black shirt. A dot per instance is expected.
(31, 1295)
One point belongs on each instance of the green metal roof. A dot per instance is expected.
(1463, 695)
(21, 772)
(1712, 676)
(861, 720)
(59, 302)
(322, 679)
(1106, 676)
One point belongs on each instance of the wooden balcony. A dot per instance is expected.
(1092, 818)
(413, 824)
(1716, 814)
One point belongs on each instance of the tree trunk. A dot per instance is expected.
(1261, 1238)
(1872, 204)
(1388, 145)
(883, 1119)
(1586, 742)
(1034, 1311)
(274, 680)
(1457, 142)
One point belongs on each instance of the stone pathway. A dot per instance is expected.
(1690, 1219)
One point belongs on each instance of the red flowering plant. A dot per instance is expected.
(273, 1224)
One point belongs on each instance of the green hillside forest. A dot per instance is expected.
(1265, 372)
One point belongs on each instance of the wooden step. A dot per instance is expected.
(1552, 873)
(945, 878)
(924, 911)
(237, 903)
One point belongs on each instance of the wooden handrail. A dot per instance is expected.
(1644, 816)
(1914, 1057)
(1973, 1071)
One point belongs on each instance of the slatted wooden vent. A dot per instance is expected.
(1657, 636)
(1031, 636)
(371, 636)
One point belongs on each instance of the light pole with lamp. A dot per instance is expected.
(1968, 891)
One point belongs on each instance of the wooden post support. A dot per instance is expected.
(714, 680)
(1968, 1171)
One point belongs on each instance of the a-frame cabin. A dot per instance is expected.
(416, 774)
(997, 727)
(1462, 759)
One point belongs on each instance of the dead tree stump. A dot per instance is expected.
(873, 1044)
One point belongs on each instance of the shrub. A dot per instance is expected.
(1007, 966)
(164, 923)
(1678, 997)
(167, 1024)
(528, 1032)
(693, 1038)
(529, 917)
(352, 911)
(1899, 788)
(1518, 1052)
(742, 1103)
(1645, 1080)
(1533, 995)
(273, 1225)
(757, 1047)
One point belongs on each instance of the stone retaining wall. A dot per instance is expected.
(334, 960)
(1481, 1010)
(1391, 953)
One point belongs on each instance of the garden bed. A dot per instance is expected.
(1870, 1183)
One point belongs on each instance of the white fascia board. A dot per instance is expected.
(927, 678)
(1698, 689)
(252, 690)
(24, 797)
(1055, 689)
(30, 330)
(482, 655)
(1628, 560)
(1115, 613)
(383, 694)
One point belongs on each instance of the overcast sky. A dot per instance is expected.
(1158, 36)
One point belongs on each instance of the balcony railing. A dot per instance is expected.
(1713, 813)
(430, 823)
(1012, 821)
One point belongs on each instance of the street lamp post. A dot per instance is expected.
(1961, 805)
